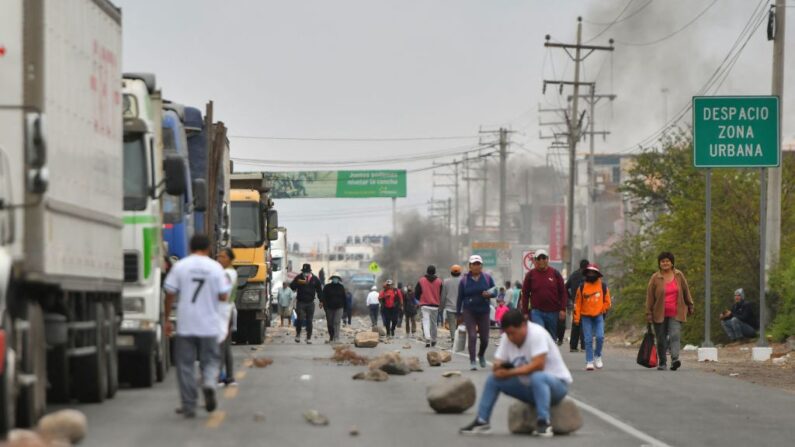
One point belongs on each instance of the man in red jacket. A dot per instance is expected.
(429, 291)
(544, 289)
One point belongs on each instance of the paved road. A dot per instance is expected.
(625, 406)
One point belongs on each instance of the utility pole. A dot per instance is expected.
(592, 99)
(574, 121)
(503, 182)
(773, 230)
(484, 204)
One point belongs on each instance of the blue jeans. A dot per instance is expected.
(737, 329)
(593, 327)
(539, 389)
(547, 319)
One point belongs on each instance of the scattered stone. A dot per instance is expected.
(25, 438)
(566, 417)
(452, 374)
(791, 343)
(366, 340)
(734, 374)
(780, 360)
(381, 331)
(452, 395)
(306, 378)
(353, 431)
(372, 375)
(262, 362)
(434, 359)
(414, 364)
(407, 346)
(690, 348)
(253, 348)
(390, 363)
(445, 356)
(344, 354)
(68, 425)
(259, 417)
(314, 417)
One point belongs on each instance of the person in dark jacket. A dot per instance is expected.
(410, 312)
(391, 301)
(306, 286)
(474, 306)
(543, 292)
(739, 322)
(333, 302)
(347, 311)
(429, 291)
(572, 285)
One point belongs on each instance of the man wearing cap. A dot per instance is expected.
(739, 322)
(544, 296)
(450, 299)
(429, 291)
(306, 286)
(333, 302)
(373, 306)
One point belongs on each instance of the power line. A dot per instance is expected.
(664, 38)
(353, 140)
(611, 24)
(631, 15)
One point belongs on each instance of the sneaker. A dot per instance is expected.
(543, 429)
(598, 363)
(473, 366)
(297, 340)
(308, 341)
(209, 400)
(574, 350)
(189, 414)
(589, 366)
(433, 344)
(427, 345)
(476, 428)
(675, 365)
(661, 367)
(232, 384)
(482, 361)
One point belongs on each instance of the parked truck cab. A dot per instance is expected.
(177, 210)
(143, 347)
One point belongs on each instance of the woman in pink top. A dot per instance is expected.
(500, 310)
(668, 303)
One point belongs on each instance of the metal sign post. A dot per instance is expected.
(762, 253)
(708, 261)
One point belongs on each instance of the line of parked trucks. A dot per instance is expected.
(102, 181)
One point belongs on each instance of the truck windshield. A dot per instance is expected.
(246, 226)
(135, 178)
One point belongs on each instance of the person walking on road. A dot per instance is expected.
(199, 283)
(410, 312)
(544, 292)
(228, 318)
(285, 299)
(527, 366)
(450, 299)
(591, 303)
(739, 322)
(373, 306)
(390, 299)
(668, 303)
(347, 311)
(333, 302)
(307, 287)
(572, 285)
(429, 291)
(474, 297)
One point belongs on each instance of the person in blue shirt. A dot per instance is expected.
(474, 298)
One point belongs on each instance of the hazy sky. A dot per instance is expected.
(415, 68)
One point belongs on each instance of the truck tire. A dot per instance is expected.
(7, 384)
(144, 373)
(32, 399)
(93, 369)
(111, 335)
(59, 375)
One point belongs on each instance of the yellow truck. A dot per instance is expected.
(253, 226)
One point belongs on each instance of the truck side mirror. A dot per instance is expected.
(273, 224)
(199, 195)
(175, 175)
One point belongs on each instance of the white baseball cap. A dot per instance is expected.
(475, 258)
(540, 253)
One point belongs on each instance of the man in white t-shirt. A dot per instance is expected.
(373, 305)
(199, 285)
(527, 366)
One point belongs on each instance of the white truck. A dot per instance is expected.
(143, 347)
(61, 197)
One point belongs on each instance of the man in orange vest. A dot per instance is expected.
(429, 291)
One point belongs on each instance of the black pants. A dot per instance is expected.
(576, 334)
(305, 313)
(561, 330)
(392, 320)
(346, 315)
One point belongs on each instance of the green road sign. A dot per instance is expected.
(736, 131)
(338, 184)
(374, 267)
(489, 256)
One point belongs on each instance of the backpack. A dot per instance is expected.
(604, 289)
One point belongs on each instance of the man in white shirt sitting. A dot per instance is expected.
(527, 366)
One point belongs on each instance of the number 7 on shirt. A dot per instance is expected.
(198, 288)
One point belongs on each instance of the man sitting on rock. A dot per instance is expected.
(739, 322)
(527, 366)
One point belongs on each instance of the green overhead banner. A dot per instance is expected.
(338, 184)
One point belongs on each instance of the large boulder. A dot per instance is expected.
(390, 363)
(414, 364)
(67, 425)
(452, 395)
(434, 359)
(445, 356)
(366, 340)
(566, 417)
(373, 375)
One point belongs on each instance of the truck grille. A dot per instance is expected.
(246, 271)
(130, 267)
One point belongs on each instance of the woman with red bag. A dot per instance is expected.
(668, 303)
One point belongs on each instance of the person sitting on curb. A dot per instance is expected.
(739, 322)
(527, 366)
